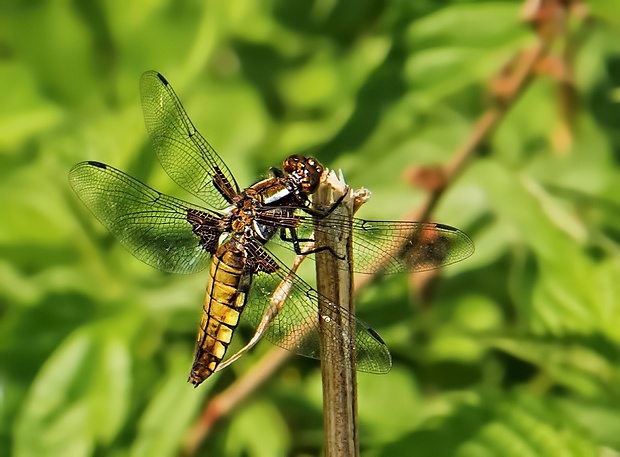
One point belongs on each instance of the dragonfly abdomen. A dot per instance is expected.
(225, 299)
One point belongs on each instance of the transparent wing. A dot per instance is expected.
(151, 225)
(183, 152)
(296, 327)
(402, 246)
(386, 246)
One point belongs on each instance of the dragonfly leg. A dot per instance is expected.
(321, 213)
(295, 240)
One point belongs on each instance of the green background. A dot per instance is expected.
(517, 352)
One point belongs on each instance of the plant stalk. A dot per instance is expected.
(337, 328)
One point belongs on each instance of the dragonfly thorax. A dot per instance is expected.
(243, 215)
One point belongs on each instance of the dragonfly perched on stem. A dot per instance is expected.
(231, 236)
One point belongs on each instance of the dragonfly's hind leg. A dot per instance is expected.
(295, 240)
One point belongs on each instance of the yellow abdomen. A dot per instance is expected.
(224, 301)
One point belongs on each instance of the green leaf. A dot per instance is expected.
(476, 24)
(561, 299)
(170, 412)
(80, 397)
(585, 366)
(383, 403)
(257, 430)
(518, 425)
(24, 113)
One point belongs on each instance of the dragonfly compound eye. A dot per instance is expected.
(311, 172)
(315, 166)
(292, 163)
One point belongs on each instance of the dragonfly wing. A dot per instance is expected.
(296, 326)
(403, 246)
(389, 246)
(153, 226)
(183, 152)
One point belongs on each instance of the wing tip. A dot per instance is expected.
(470, 246)
(76, 170)
(162, 78)
(94, 163)
(446, 227)
(153, 73)
(375, 335)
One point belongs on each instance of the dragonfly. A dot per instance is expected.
(232, 234)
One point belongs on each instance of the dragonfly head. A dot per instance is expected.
(305, 172)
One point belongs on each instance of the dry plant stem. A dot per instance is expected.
(335, 283)
(514, 83)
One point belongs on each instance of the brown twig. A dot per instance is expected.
(506, 88)
(508, 85)
(337, 331)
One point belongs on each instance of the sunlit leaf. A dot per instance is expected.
(257, 430)
(169, 414)
(81, 391)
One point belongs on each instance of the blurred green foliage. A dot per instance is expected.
(518, 352)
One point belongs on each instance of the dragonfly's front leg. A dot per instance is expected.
(322, 213)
